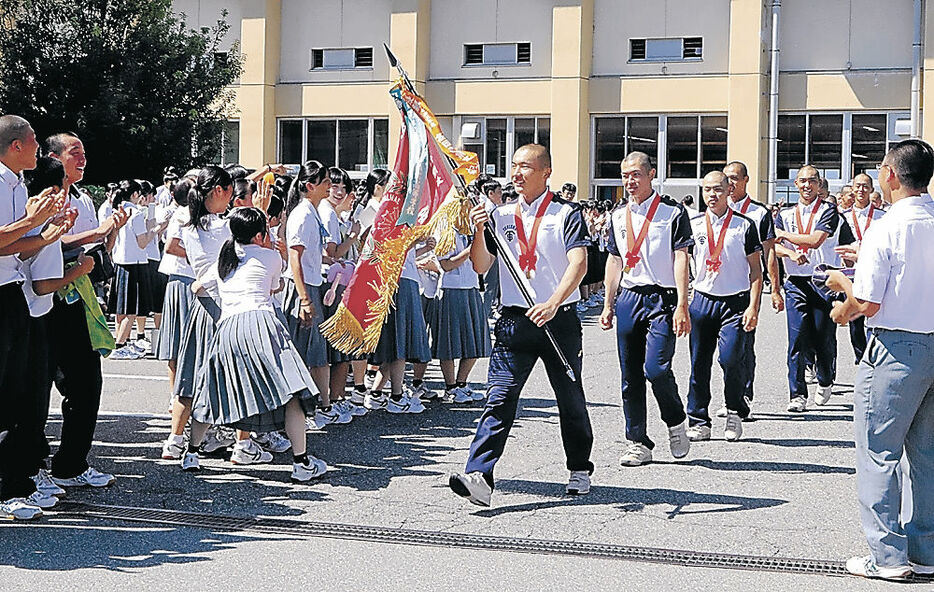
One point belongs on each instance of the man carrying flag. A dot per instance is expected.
(546, 236)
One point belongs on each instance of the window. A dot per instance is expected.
(609, 146)
(344, 58)
(642, 135)
(791, 145)
(230, 143)
(682, 148)
(713, 143)
(825, 144)
(497, 54)
(495, 139)
(355, 145)
(496, 147)
(868, 143)
(676, 49)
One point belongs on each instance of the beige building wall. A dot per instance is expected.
(838, 56)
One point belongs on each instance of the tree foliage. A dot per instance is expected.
(140, 87)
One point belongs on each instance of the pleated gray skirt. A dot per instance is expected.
(335, 356)
(461, 330)
(430, 311)
(192, 353)
(404, 335)
(251, 371)
(175, 311)
(309, 342)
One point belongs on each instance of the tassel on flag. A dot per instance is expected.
(420, 201)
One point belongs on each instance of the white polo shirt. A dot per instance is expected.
(173, 264)
(742, 239)
(760, 215)
(12, 192)
(126, 249)
(895, 267)
(249, 287)
(562, 228)
(670, 231)
(332, 224)
(87, 215)
(463, 276)
(862, 219)
(304, 228)
(47, 264)
(826, 219)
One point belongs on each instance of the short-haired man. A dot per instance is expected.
(648, 257)
(740, 201)
(845, 198)
(893, 410)
(546, 239)
(725, 307)
(20, 219)
(806, 235)
(860, 217)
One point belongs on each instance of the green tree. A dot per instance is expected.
(140, 87)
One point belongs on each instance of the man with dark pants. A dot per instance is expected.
(807, 234)
(75, 362)
(725, 307)
(648, 246)
(546, 240)
(893, 402)
(741, 202)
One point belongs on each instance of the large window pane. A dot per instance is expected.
(791, 135)
(609, 146)
(381, 143)
(290, 142)
(352, 148)
(544, 132)
(322, 138)
(713, 143)
(231, 143)
(496, 147)
(682, 147)
(825, 144)
(643, 137)
(868, 143)
(525, 132)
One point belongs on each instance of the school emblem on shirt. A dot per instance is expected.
(509, 231)
(701, 239)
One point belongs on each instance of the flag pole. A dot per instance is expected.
(489, 228)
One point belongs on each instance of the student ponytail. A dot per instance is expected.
(208, 178)
(311, 172)
(245, 224)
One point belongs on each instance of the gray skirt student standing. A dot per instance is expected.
(308, 340)
(176, 309)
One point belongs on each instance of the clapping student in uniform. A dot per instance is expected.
(545, 235)
(648, 244)
(725, 307)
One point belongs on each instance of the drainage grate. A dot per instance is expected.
(456, 540)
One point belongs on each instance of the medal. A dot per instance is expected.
(801, 225)
(859, 232)
(716, 248)
(633, 243)
(527, 256)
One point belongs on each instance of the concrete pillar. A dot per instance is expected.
(927, 72)
(748, 106)
(260, 31)
(571, 57)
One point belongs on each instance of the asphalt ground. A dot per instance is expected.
(787, 489)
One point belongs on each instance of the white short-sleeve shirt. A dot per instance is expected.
(463, 276)
(249, 287)
(173, 264)
(126, 249)
(332, 225)
(203, 246)
(741, 239)
(87, 215)
(47, 264)
(826, 219)
(895, 267)
(12, 191)
(304, 228)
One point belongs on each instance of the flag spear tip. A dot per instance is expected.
(392, 58)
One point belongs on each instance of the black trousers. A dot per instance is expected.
(77, 373)
(40, 386)
(15, 397)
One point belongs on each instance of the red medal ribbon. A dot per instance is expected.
(527, 256)
(810, 223)
(634, 244)
(859, 233)
(716, 249)
(745, 207)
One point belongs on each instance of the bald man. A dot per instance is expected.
(725, 307)
(806, 235)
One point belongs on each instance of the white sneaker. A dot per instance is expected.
(91, 477)
(272, 441)
(579, 483)
(866, 567)
(415, 404)
(403, 405)
(636, 455)
(191, 462)
(248, 452)
(734, 427)
(922, 570)
(581, 307)
(810, 376)
(40, 500)
(472, 486)
(678, 440)
(369, 380)
(345, 410)
(174, 447)
(797, 405)
(357, 398)
(823, 394)
(375, 402)
(478, 395)
(18, 508)
(698, 433)
(144, 346)
(302, 473)
(45, 485)
(217, 438)
(125, 353)
(458, 395)
(355, 409)
(422, 393)
(327, 417)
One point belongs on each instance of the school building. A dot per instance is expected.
(688, 81)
